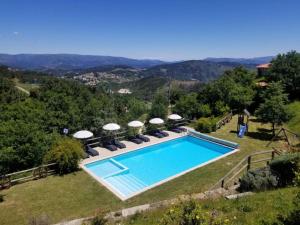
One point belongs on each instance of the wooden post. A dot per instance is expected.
(273, 155)
(249, 162)
(222, 183)
(286, 137)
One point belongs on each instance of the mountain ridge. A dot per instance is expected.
(71, 61)
(253, 60)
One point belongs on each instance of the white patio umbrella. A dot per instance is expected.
(83, 134)
(156, 121)
(174, 117)
(135, 124)
(111, 127)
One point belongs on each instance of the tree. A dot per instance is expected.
(273, 109)
(235, 89)
(188, 106)
(286, 68)
(66, 153)
(159, 106)
(8, 92)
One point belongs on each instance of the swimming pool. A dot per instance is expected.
(131, 173)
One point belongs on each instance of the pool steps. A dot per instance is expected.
(119, 165)
(125, 182)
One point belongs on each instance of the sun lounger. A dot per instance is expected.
(165, 134)
(135, 140)
(118, 144)
(182, 129)
(176, 130)
(143, 138)
(110, 147)
(157, 134)
(91, 151)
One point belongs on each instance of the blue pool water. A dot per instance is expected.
(131, 173)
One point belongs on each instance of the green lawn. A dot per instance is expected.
(250, 210)
(294, 123)
(77, 195)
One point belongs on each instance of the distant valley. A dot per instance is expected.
(93, 70)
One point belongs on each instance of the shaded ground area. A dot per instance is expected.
(78, 195)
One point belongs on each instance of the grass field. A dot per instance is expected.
(294, 123)
(250, 210)
(77, 195)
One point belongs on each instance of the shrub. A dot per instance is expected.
(285, 166)
(98, 220)
(66, 153)
(191, 213)
(297, 178)
(206, 124)
(258, 180)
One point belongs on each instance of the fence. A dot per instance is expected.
(246, 164)
(224, 120)
(7, 180)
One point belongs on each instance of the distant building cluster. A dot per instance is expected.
(93, 78)
(124, 91)
(88, 79)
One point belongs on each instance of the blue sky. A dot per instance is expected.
(161, 29)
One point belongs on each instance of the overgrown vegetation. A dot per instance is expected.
(29, 126)
(281, 172)
(192, 213)
(66, 153)
(206, 125)
(285, 167)
(258, 180)
(260, 209)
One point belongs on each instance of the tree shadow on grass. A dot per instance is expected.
(261, 134)
(264, 136)
(255, 120)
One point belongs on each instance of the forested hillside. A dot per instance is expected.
(30, 124)
(203, 71)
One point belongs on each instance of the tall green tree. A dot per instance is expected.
(188, 106)
(273, 109)
(159, 107)
(286, 68)
(235, 89)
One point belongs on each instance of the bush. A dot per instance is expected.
(258, 180)
(297, 178)
(286, 166)
(98, 220)
(191, 213)
(1, 198)
(66, 153)
(206, 124)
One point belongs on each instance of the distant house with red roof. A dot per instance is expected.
(262, 69)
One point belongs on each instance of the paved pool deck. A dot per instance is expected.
(130, 146)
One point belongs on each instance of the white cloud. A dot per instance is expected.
(16, 33)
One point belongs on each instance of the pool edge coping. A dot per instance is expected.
(120, 196)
